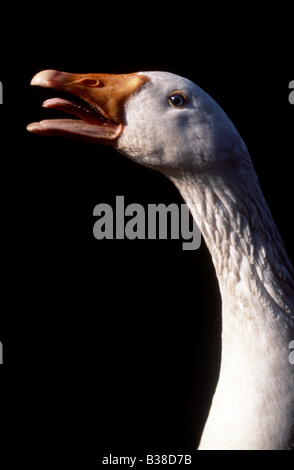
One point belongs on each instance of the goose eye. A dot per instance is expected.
(177, 99)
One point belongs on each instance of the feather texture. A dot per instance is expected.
(201, 152)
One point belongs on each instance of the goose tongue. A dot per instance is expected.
(100, 110)
(81, 111)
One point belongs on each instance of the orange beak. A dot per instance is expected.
(99, 108)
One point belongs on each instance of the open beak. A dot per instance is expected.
(97, 100)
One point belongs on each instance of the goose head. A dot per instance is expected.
(158, 119)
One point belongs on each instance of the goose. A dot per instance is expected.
(166, 122)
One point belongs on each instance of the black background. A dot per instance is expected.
(114, 345)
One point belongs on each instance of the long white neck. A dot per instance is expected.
(253, 406)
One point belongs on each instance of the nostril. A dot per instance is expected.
(90, 82)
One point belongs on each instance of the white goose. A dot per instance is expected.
(166, 122)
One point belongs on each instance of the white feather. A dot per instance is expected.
(200, 151)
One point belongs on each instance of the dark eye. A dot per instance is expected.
(177, 99)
